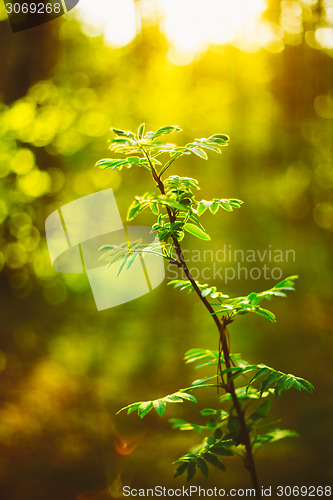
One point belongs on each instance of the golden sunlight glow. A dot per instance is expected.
(115, 20)
(190, 26)
(324, 37)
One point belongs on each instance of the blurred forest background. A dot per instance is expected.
(259, 71)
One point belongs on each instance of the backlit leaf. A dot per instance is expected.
(196, 231)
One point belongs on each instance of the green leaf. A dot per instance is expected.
(204, 356)
(261, 412)
(199, 152)
(287, 283)
(201, 209)
(172, 398)
(210, 411)
(305, 384)
(123, 133)
(135, 208)
(283, 383)
(154, 208)
(284, 285)
(190, 471)
(234, 426)
(218, 434)
(131, 259)
(130, 408)
(175, 184)
(181, 469)
(214, 460)
(141, 130)
(214, 207)
(265, 313)
(272, 378)
(123, 263)
(166, 130)
(210, 147)
(169, 202)
(182, 425)
(279, 380)
(145, 408)
(275, 435)
(236, 203)
(159, 405)
(201, 464)
(222, 137)
(110, 163)
(260, 373)
(201, 381)
(196, 231)
(185, 395)
(221, 450)
(226, 205)
(235, 373)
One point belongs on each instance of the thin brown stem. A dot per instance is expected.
(244, 437)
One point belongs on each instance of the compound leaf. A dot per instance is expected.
(202, 466)
(214, 460)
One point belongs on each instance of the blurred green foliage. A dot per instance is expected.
(66, 369)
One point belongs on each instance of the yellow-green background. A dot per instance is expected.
(66, 368)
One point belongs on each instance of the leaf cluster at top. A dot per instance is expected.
(176, 207)
(145, 149)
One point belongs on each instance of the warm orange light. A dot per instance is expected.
(127, 447)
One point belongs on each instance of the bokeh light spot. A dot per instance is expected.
(324, 106)
(21, 114)
(323, 215)
(16, 255)
(117, 21)
(3, 210)
(35, 183)
(324, 37)
(23, 161)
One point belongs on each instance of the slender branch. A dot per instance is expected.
(244, 437)
(170, 162)
(153, 170)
